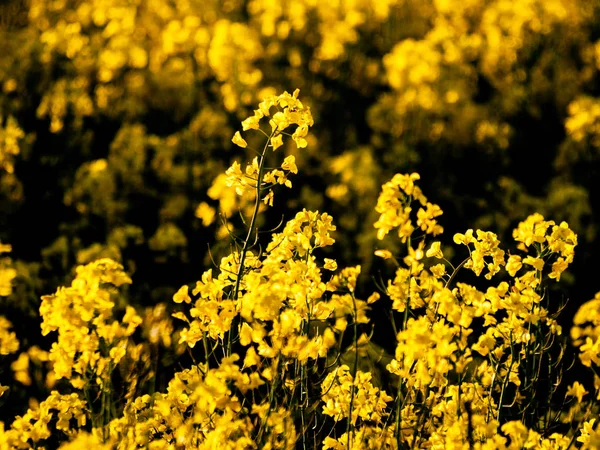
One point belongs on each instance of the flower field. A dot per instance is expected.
(258, 224)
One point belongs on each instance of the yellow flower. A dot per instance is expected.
(435, 251)
(513, 265)
(465, 239)
(206, 213)
(21, 369)
(251, 123)
(558, 267)
(277, 141)
(299, 136)
(239, 140)
(438, 271)
(8, 339)
(251, 359)
(576, 390)
(182, 295)
(289, 163)
(330, 264)
(537, 263)
(385, 254)
(373, 298)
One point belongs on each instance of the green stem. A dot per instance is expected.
(349, 428)
(456, 271)
(246, 246)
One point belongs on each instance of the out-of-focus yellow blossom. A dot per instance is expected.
(385, 254)
(8, 339)
(10, 136)
(584, 120)
(576, 390)
(88, 441)
(206, 213)
(7, 272)
(21, 369)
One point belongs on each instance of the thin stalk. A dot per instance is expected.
(246, 246)
(353, 389)
(505, 383)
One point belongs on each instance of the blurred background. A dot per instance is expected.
(116, 118)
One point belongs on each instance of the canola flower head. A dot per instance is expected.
(89, 336)
(290, 111)
(395, 204)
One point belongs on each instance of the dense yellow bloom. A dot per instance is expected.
(33, 428)
(89, 339)
(485, 246)
(292, 112)
(394, 207)
(532, 230)
(369, 403)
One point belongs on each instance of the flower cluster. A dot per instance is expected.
(351, 396)
(65, 413)
(290, 111)
(485, 244)
(278, 336)
(394, 207)
(90, 341)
